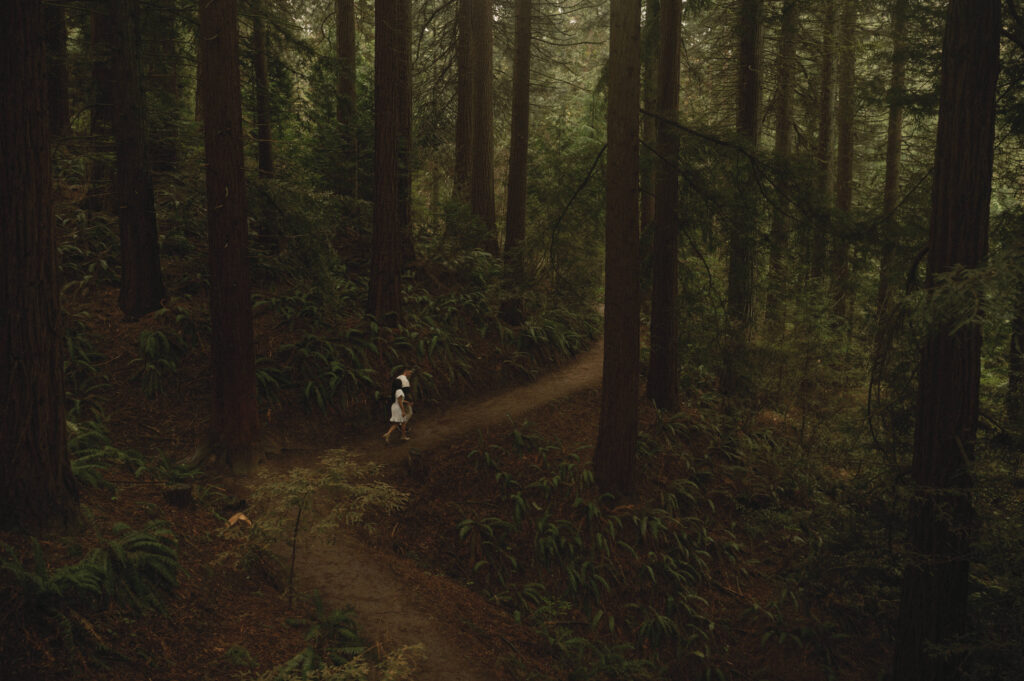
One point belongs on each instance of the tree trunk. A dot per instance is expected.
(57, 69)
(100, 172)
(648, 125)
(846, 112)
(823, 153)
(464, 103)
(933, 604)
(893, 158)
(779, 234)
(142, 287)
(743, 231)
(515, 217)
(235, 421)
(615, 452)
(345, 25)
(391, 196)
(481, 181)
(37, 489)
(663, 374)
(164, 118)
(264, 136)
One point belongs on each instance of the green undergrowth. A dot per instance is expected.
(615, 590)
(315, 347)
(336, 652)
(740, 555)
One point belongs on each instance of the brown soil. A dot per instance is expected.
(396, 604)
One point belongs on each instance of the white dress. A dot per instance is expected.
(396, 409)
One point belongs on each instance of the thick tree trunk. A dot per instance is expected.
(648, 125)
(663, 374)
(845, 114)
(933, 605)
(463, 102)
(615, 452)
(743, 231)
(391, 196)
(779, 234)
(893, 158)
(515, 216)
(264, 136)
(57, 69)
(142, 287)
(235, 421)
(481, 181)
(37, 489)
(345, 29)
(823, 153)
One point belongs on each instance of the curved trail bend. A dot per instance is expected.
(392, 609)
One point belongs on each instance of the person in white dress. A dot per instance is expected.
(401, 410)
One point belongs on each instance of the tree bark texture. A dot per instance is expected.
(780, 227)
(235, 421)
(515, 216)
(743, 230)
(142, 286)
(615, 452)
(663, 374)
(392, 180)
(264, 136)
(481, 180)
(463, 102)
(846, 110)
(345, 29)
(933, 605)
(57, 69)
(37, 489)
(650, 34)
(823, 152)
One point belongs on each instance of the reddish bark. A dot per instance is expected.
(933, 604)
(37, 489)
(663, 375)
(235, 422)
(615, 452)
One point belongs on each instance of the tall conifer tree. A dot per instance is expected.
(37, 489)
(142, 287)
(393, 137)
(615, 452)
(663, 376)
(235, 422)
(933, 603)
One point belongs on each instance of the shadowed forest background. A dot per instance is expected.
(751, 273)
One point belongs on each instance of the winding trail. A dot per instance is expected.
(395, 603)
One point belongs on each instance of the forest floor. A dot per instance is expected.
(395, 603)
(408, 582)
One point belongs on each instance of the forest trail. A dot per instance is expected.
(395, 604)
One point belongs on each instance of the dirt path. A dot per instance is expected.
(430, 430)
(396, 604)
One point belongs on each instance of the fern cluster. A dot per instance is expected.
(135, 569)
